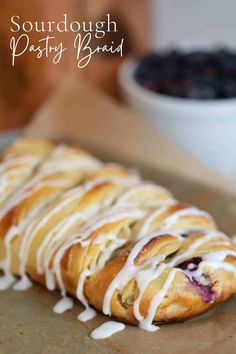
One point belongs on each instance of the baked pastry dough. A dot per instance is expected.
(19, 162)
(121, 245)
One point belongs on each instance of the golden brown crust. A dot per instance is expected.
(132, 239)
(182, 300)
(19, 162)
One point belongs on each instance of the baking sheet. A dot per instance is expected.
(28, 325)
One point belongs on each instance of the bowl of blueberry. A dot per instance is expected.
(190, 95)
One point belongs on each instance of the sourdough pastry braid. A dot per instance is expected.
(116, 243)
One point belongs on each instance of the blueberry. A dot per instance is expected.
(194, 260)
(228, 88)
(194, 75)
(226, 61)
(206, 292)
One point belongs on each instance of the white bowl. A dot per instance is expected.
(205, 128)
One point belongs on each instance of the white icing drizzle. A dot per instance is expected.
(14, 231)
(125, 198)
(108, 216)
(80, 287)
(146, 323)
(170, 220)
(210, 235)
(11, 234)
(129, 270)
(57, 233)
(61, 161)
(46, 250)
(217, 260)
(218, 255)
(192, 211)
(23, 284)
(27, 190)
(87, 315)
(66, 303)
(67, 198)
(53, 165)
(143, 278)
(13, 171)
(107, 329)
(6, 281)
(13, 162)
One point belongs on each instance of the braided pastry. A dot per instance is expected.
(119, 245)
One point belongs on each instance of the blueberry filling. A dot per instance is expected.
(190, 233)
(206, 292)
(190, 264)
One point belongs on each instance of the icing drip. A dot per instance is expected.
(218, 255)
(11, 234)
(143, 278)
(24, 284)
(107, 329)
(6, 281)
(54, 245)
(66, 303)
(87, 314)
(80, 288)
(147, 224)
(146, 323)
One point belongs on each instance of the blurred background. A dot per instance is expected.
(144, 24)
(24, 86)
